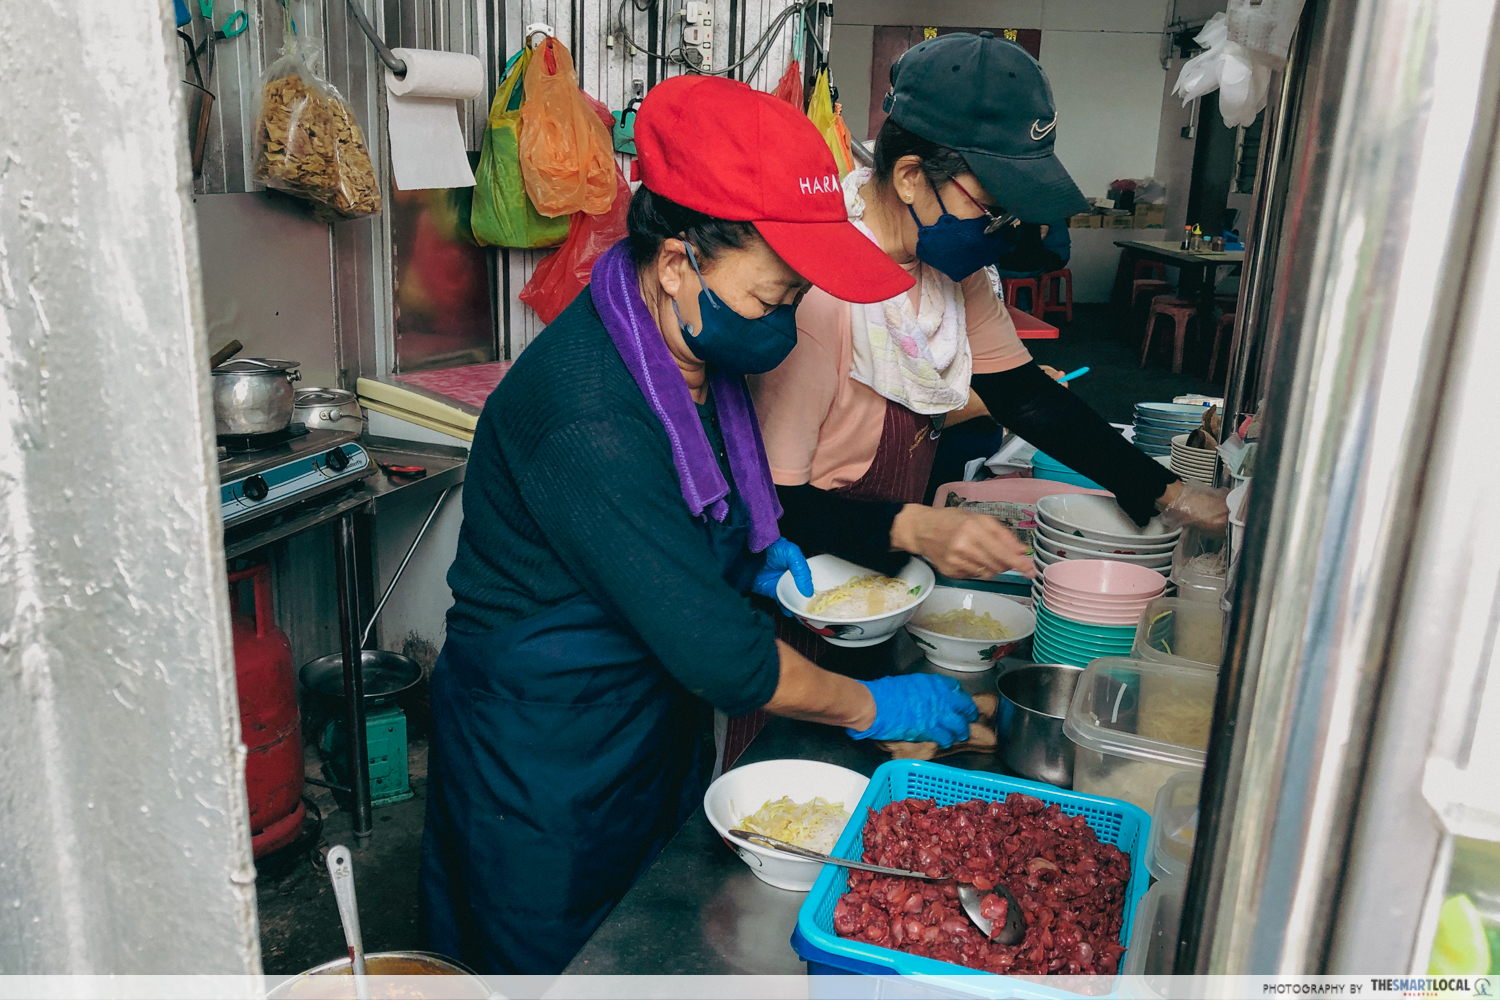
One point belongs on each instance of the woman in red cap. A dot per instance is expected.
(617, 510)
(852, 418)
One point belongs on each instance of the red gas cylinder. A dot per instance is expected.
(270, 724)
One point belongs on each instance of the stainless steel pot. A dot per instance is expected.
(329, 409)
(253, 395)
(457, 982)
(1033, 704)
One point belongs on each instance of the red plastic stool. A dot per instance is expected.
(1150, 279)
(1181, 311)
(1011, 286)
(1057, 294)
(1226, 322)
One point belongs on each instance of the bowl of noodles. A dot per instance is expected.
(803, 802)
(855, 606)
(970, 629)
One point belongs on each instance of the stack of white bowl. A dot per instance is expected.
(1081, 526)
(1157, 423)
(1196, 464)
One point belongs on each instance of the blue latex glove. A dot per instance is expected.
(919, 707)
(782, 555)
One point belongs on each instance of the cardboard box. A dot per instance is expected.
(1083, 220)
(1150, 216)
(1118, 221)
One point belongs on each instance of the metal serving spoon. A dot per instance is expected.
(970, 897)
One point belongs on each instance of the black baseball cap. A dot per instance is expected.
(988, 99)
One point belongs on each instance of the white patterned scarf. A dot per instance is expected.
(916, 356)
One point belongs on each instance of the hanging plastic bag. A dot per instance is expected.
(567, 158)
(503, 214)
(820, 111)
(559, 278)
(790, 87)
(307, 142)
(1242, 48)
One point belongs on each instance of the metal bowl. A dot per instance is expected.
(386, 675)
(1033, 704)
(462, 983)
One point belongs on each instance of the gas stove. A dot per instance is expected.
(287, 471)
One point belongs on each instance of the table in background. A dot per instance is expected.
(1203, 267)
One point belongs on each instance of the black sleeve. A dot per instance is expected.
(856, 530)
(1030, 403)
(606, 497)
(1030, 254)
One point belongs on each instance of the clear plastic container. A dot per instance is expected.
(1174, 826)
(1153, 936)
(1136, 723)
(1179, 630)
(1200, 566)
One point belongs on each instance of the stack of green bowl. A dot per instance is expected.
(1062, 640)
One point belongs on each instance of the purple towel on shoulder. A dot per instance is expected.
(615, 289)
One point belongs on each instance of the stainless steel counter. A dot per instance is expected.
(699, 910)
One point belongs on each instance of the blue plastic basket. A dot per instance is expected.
(1120, 823)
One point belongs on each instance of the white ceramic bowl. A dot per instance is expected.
(1100, 518)
(1068, 550)
(1061, 538)
(831, 571)
(971, 654)
(741, 791)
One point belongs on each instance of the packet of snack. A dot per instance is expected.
(307, 142)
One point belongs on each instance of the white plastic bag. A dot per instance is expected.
(1242, 48)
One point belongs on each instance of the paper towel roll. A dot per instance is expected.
(427, 144)
(453, 75)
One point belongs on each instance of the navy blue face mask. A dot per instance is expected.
(735, 344)
(959, 247)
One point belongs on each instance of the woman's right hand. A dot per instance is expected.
(961, 544)
(919, 707)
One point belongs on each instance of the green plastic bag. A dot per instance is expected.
(503, 215)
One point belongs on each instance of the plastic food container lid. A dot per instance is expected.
(1174, 826)
(1144, 711)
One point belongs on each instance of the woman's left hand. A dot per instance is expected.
(782, 555)
(1192, 504)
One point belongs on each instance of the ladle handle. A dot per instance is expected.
(782, 847)
(341, 871)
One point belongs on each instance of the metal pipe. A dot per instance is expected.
(1376, 228)
(365, 638)
(392, 63)
(354, 676)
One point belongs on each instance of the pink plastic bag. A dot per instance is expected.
(789, 89)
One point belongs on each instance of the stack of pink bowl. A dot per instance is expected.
(1089, 608)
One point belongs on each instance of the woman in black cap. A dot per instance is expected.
(851, 418)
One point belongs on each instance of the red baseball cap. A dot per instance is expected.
(720, 147)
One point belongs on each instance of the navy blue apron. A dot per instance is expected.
(564, 757)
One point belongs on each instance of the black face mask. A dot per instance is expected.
(735, 344)
(959, 247)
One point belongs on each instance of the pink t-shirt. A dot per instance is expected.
(821, 426)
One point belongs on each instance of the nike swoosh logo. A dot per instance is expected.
(1040, 131)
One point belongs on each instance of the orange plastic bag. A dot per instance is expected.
(790, 87)
(559, 277)
(567, 157)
